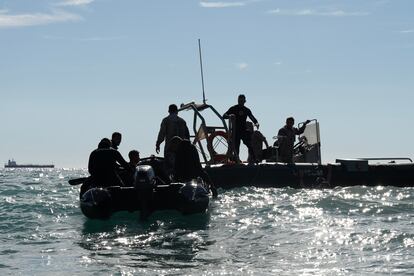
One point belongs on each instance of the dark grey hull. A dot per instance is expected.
(30, 166)
(304, 175)
(101, 203)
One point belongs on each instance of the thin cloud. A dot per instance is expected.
(75, 3)
(103, 38)
(24, 20)
(310, 12)
(406, 31)
(221, 4)
(94, 38)
(242, 66)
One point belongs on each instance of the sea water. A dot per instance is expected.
(341, 231)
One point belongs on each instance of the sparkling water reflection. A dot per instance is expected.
(343, 231)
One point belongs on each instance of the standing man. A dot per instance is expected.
(256, 143)
(171, 126)
(286, 138)
(240, 113)
(116, 140)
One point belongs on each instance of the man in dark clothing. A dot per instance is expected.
(286, 139)
(171, 126)
(256, 144)
(126, 174)
(116, 140)
(103, 165)
(187, 164)
(133, 158)
(240, 113)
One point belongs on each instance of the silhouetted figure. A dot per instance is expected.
(171, 126)
(127, 175)
(187, 164)
(133, 158)
(103, 165)
(116, 140)
(241, 112)
(286, 139)
(256, 142)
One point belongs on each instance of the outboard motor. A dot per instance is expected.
(144, 176)
(144, 183)
(96, 203)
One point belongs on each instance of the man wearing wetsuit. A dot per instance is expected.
(103, 165)
(116, 140)
(171, 126)
(240, 113)
(286, 139)
(187, 164)
(126, 174)
(256, 144)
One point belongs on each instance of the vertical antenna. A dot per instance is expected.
(201, 70)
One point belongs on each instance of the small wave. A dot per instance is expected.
(353, 230)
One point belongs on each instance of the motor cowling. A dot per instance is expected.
(144, 176)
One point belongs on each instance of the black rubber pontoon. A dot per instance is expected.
(101, 203)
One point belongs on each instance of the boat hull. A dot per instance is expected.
(306, 175)
(30, 166)
(101, 203)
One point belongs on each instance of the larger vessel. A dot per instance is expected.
(13, 164)
(215, 144)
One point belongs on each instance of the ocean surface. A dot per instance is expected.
(246, 231)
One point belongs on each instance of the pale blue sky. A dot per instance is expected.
(74, 71)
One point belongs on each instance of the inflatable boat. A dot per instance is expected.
(145, 196)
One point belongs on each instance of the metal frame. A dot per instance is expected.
(318, 138)
(197, 109)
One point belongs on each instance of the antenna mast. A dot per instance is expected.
(201, 70)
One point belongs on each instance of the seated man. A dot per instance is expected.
(126, 174)
(133, 158)
(102, 165)
(187, 164)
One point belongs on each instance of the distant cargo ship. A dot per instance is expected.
(13, 164)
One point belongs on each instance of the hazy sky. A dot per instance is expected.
(74, 71)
